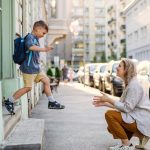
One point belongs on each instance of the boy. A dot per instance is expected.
(31, 71)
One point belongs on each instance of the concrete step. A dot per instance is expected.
(26, 135)
(10, 121)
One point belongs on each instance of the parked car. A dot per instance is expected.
(89, 71)
(112, 83)
(80, 74)
(143, 70)
(72, 75)
(98, 75)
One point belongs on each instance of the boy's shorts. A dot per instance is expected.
(30, 78)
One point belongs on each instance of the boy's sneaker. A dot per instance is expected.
(55, 105)
(122, 147)
(142, 143)
(9, 106)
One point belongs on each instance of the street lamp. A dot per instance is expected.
(56, 57)
(74, 29)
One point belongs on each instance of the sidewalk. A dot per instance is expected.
(79, 126)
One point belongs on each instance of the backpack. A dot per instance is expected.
(20, 52)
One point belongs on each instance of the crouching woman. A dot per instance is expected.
(131, 114)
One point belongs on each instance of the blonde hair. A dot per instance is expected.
(130, 69)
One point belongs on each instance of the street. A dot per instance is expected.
(80, 125)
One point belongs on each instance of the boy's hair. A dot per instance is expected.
(40, 24)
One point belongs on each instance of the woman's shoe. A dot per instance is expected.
(122, 147)
(142, 143)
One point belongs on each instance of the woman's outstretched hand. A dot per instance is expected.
(102, 100)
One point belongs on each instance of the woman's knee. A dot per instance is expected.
(109, 114)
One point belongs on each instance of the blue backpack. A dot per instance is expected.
(20, 52)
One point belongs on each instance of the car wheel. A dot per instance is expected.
(113, 90)
(94, 84)
(103, 87)
(100, 86)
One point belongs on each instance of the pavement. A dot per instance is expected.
(80, 126)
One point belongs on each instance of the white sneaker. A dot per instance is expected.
(122, 147)
(114, 147)
(142, 143)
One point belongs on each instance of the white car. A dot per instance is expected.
(80, 74)
(143, 70)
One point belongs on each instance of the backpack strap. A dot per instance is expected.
(31, 53)
(30, 56)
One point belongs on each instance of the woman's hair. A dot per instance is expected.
(130, 68)
(42, 24)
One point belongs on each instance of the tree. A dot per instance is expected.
(49, 72)
(103, 59)
(123, 54)
(57, 73)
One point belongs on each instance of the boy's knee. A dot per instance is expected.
(28, 89)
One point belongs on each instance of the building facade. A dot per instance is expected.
(21, 15)
(89, 43)
(138, 30)
(115, 29)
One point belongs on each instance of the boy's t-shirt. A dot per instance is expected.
(34, 66)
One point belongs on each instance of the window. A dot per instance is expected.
(144, 32)
(136, 35)
(53, 8)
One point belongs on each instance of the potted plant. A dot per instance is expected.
(57, 74)
(49, 72)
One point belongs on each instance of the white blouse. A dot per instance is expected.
(134, 105)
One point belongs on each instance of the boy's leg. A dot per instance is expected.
(21, 92)
(28, 80)
(47, 90)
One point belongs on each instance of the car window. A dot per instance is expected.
(143, 69)
(92, 68)
(102, 68)
(114, 67)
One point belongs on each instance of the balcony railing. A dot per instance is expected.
(111, 21)
(123, 27)
(123, 41)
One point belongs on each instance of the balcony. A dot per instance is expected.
(110, 9)
(123, 41)
(123, 27)
(78, 51)
(100, 32)
(57, 30)
(111, 21)
(122, 14)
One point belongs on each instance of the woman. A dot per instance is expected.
(131, 114)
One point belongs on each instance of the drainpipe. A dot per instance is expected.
(1, 119)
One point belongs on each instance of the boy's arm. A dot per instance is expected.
(40, 49)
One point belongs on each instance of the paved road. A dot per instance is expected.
(79, 126)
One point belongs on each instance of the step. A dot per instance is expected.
(10, 121)
(27, 135)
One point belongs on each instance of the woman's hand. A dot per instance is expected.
(99, 103)
(103, 100)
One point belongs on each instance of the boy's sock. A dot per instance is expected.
(11, 99)
(51, 98)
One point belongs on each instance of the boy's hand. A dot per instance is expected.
(49, 48)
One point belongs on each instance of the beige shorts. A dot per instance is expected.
(30, 78)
